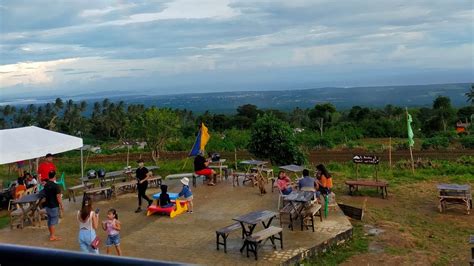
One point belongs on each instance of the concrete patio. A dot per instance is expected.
(190, 238)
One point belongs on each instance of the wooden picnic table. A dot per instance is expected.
(454, 194)
(123, 187)
(299, 197)
(219, 165)
(250, 220)
(71, 191)
(355, 184)
(106, 190)
(293, 168)
(259, 166)
(29, 205)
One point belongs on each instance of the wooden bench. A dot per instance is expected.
(307, 216)
(354, 186)
(224, 233)
(248, 177)
(155, 181)
(123, 187)
(289, 211)
(71, 191)
(94, 191)
(272, 233)
(453, 194)
(193, 176)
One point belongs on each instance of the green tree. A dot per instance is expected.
(444, 112)
(157, 126)
(322, 115)
(274, 139)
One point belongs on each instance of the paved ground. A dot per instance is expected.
(188, 238)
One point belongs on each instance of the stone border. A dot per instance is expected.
(321, 248)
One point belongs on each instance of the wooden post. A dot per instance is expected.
(390, 152)
(128, 154)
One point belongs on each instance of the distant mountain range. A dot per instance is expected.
(342, 98)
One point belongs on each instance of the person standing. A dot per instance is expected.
(142, 176)
(45, 167)
(88, 223)
(54, 204)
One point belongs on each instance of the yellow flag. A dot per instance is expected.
(204, 137)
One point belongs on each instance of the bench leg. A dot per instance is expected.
(194, 180)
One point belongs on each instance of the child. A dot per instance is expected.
(187, 194)
(112, 226)
(284, 183)
(164, 200)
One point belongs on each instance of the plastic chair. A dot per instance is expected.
(62, 181)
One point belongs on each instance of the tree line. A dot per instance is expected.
(111, 121)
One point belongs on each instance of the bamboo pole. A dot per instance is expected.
(411, 150)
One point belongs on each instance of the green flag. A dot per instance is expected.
(411, 142)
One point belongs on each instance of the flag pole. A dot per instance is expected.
(409, 145)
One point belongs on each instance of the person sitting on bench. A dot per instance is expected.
(284, 183)
(201, 167)
(324, 180)
(164, 200)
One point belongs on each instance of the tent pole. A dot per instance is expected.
(82, 167)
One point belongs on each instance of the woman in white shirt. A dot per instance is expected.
(88, 223)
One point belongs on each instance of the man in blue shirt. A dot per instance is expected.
(306, 181)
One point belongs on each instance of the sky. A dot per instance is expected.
(181, 46)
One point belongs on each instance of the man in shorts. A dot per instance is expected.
(201, 167)
(54, 204)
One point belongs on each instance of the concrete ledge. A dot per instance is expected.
(317, 250)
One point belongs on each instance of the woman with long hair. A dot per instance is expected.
(88, 223)
(324, 179)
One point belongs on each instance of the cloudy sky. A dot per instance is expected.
(162, 47)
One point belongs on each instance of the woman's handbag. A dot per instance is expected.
(96, 241)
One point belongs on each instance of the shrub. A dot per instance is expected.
(274, 139)
(435, 143)
(467, 141)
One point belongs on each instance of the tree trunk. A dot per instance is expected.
(155, 155)
(321, 123)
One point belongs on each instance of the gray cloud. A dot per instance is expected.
(84, 42)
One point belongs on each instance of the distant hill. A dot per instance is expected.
(342, 98)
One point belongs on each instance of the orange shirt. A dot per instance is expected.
(326, 182)
(18, 189)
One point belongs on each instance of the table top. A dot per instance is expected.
(126, 171)
(220, 161)
(253, 162)
(28, 198)
(97, 189)
(255, 217)
(292, 168)
(173, 196)
(300, 196)
(454, 187)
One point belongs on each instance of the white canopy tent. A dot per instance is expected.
(32, 142)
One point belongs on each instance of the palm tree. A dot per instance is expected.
(470, 95)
